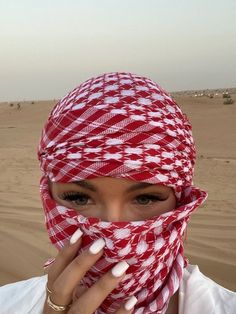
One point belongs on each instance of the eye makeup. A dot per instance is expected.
(78, 198)
(81, 199)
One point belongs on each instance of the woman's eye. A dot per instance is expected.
(76, 198)
(148, 199)
(81, 199)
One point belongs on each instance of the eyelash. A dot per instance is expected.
(71, 196)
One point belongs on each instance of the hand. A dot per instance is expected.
(68, 270)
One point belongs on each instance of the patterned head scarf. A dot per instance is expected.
(122, 125)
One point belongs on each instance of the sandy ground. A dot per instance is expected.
(211, 241)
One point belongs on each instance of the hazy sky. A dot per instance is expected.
(48, 47)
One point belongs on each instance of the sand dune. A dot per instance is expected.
(211, 240)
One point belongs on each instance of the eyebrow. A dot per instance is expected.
(85, 184)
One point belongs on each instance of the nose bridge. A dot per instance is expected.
(113, 210)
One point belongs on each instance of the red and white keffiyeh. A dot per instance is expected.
(124, 126)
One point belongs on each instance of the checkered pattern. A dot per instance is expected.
(118, 125)
(124, 126)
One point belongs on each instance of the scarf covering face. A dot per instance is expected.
(124, 126)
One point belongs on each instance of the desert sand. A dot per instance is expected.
(211, 239)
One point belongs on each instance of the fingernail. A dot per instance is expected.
(119, 269)
(130, 303)
(78, 233)
(97, 246)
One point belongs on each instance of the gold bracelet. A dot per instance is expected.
(55, 307)
(48, 290)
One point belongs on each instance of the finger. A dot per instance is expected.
(94, 296)
(128, 307)
(78, 291)
(64, 257)
(63, 286)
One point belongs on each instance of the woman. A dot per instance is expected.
(117, 156)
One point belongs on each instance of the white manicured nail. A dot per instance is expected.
(97, 246)
(78, 233)
(130, 303)
(119, 269)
